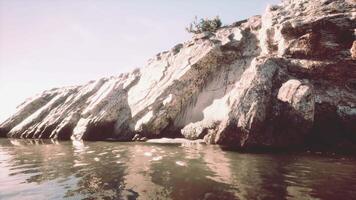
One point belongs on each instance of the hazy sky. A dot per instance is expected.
(52, 43)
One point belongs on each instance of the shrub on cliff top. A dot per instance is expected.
(210, 25)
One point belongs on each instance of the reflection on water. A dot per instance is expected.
(44, 169)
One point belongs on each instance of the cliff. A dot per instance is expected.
(284, 79)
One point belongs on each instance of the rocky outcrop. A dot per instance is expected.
(285, 79)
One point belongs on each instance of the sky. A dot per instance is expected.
(53, 43)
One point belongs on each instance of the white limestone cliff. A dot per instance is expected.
(285, 79)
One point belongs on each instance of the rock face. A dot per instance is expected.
(284, 79)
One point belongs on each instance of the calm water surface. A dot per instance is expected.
(109, 170)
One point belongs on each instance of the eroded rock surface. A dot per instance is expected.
(284, 79)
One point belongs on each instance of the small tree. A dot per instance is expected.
(210, 25)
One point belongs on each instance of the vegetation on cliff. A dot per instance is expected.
(204, 25)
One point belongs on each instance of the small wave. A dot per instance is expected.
(148, 154)
(157, 158)
(80, 164)
(181, 163)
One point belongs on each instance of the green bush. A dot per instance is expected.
(210, 25)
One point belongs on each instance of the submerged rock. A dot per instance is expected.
(175, 141)
(281, 80)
